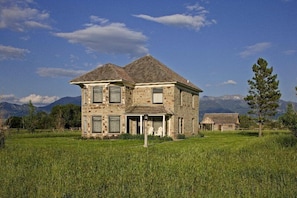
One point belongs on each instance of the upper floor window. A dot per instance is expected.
(115, 94)
(157, 95)
(97, 94)
(96, 124)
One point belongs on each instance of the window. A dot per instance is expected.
(84, 95)
(114, 124)
(97, 94)
(85, 124)
(157, 95)
(115, 94)
(180, 125)
(181, 97)
(96, 124)
(193, 101)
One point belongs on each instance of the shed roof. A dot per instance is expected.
(220, 118)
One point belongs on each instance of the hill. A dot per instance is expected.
(208, 104)
(232, 104)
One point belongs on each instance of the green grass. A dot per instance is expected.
(229, 164)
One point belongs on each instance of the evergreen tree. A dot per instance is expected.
(289, 119)
(263, 95)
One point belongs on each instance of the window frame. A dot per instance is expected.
(155, 92)
(99, 121)
(100, 100)
(114, 118)
(115, 90)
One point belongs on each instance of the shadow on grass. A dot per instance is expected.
(249, 133)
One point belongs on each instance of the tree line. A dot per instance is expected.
(61, 117)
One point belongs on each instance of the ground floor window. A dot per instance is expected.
(114, 124)
(97, 124)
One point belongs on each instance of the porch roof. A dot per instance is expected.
(155, 110)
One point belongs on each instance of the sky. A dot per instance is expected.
(212, 43)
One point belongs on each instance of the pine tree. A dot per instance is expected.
(263, 95)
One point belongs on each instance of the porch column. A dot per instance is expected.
(164, 125)
(141, 125)
(126, 124)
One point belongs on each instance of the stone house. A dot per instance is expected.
(143, 95)
(220, 121)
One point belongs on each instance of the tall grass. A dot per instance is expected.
(217, 165)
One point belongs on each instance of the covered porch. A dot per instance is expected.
(153, 120)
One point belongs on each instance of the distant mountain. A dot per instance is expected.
(63, 101)
(8, 109)
(232, 104)
(208, 104)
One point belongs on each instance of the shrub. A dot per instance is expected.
(181, 136)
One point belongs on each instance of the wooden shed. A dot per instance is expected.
(220, 121)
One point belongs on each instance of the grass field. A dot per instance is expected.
(229, 164)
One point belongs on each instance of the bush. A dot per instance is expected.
(181, 136)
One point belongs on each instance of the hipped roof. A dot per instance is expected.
(143, 70)
(220, 118)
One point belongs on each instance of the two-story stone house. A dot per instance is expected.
(116, 99)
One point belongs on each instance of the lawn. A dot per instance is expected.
(228, 164)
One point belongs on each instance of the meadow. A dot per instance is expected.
(228, 164)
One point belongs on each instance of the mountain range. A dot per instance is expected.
(208, 104)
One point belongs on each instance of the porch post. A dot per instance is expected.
(126, 124)
(141, 125)
(164, 125)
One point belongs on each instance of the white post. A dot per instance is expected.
(164, 125)
(141, 125)
(145, 131)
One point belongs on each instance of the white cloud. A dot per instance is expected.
(38, 99)
(196, 20)
(58, 72)
(9, 98)
(19, 16)
(229, 82)
(35, 99)
(114, 38)
(290, 52)
(9, 53)
(254, 49)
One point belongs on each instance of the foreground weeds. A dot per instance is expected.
(217, 165)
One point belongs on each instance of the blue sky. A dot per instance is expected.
(213, 43)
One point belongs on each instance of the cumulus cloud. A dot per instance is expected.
(58, 72)
(110, 38)
(254, 49)
(20, 16)
(9, 53)
(196, 19)
(229, 82)
(38, 99)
